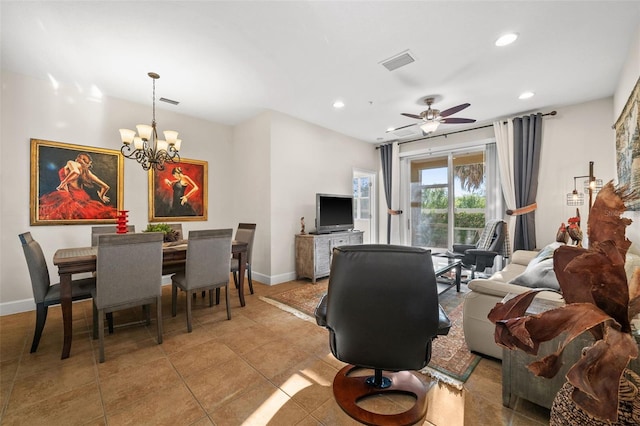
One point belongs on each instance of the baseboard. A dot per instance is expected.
(17, 307)
(273, 279)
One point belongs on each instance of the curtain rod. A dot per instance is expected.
(458, 131)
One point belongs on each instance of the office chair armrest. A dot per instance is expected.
(321, 312)
(481, 253)
(444, 324)
(461, 248)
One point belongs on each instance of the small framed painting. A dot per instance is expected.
(74, 184)
(628, 145)
(179, 192)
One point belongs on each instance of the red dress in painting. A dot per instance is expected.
(75, 203)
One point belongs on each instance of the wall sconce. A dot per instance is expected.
(591, 186)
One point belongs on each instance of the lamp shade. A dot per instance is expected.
(575, 198)
(430, 126)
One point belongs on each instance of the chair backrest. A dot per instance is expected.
(382, 306)
(128, 268)
(107, 229)
(246, 233)
(37, 265)
(208, 257)
(492, 236)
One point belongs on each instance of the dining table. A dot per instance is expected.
(78, 260)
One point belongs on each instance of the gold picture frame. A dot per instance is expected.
(74, 184)
(167, 189)
(628, 145)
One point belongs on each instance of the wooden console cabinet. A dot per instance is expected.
(313, 252)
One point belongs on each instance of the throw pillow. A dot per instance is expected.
(539, 273)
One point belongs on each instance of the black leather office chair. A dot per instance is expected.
(382, 313)
(481, 255)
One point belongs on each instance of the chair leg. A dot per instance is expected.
(189, 311)
(249, 278)
(101, 333)
(235, 278)
(174, 299)
(41, 318)
(218, 296)
(95, 321)
(226, 295)
(210, 298)
(146, 310)
(159, 318)
(110, 322)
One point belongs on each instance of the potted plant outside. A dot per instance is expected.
(598, 300)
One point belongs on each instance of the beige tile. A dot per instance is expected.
(311, 385)
(127, 388)
(170, 405)
(223, 382)
(60, 379)
(262, 404)
(75, 407)
(265, 365)
(197, 358)
(276, 357)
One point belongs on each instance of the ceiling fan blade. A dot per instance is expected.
(402, 127)
(454, 120)
(451, 111)
(417, 117)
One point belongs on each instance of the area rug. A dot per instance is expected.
(451, 361)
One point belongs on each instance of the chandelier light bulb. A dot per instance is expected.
(148, 150)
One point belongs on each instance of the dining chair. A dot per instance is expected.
(206, 268)
(106, 229)
(45, 294)
(129, 273)
(245, 233)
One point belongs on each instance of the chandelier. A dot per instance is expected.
(147, 149)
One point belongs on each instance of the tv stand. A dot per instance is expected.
(314, 252)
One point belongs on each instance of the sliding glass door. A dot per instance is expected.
(447, 199)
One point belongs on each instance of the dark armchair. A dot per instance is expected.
(482, 254)
(382, 313)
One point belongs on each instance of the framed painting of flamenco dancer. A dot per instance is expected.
(179, 192)
(74, 184)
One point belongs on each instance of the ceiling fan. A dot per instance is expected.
(433, 117)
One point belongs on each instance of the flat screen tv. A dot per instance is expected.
(333, 213)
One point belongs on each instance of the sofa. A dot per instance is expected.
(529, 269)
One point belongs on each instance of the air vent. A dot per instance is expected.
(409, 131)
(399, 60)
(169, 101)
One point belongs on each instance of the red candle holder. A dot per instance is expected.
(121, 227)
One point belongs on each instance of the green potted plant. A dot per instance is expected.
(599, 300)
(170, 234)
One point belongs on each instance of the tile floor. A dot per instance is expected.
(265, 366)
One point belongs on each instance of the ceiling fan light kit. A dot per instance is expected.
(433, 117)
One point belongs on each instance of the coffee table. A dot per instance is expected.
(448, 270)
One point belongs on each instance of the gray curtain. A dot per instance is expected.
(527, 142)
(386, 154)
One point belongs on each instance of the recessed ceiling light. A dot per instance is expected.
(338, 104)
(390, 129)
(526, 95)
(506, 39)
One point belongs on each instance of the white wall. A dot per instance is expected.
(306, 159)
(250, 180)
(32, 108)
(628, 78)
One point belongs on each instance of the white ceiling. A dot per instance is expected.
(228, 61)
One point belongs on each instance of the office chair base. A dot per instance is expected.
(348, 390)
